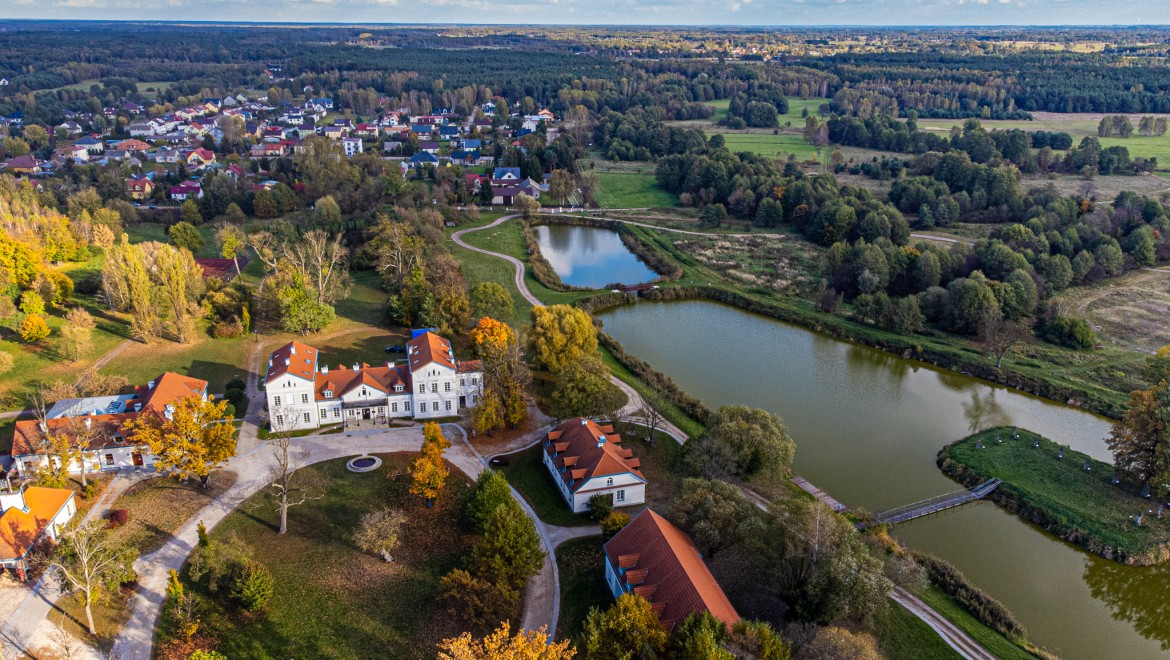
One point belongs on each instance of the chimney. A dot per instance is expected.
(600, 440)
(357, 367)
(44, 426)
(324, 368)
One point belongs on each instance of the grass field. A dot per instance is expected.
(1076, 501)
(1078, 125)
(215, 360)
(997, 644)
(333, 601)
(527, 473)
(581, 567)
(1129, 313)
(619, 190)
(157, 508)
(903, 635)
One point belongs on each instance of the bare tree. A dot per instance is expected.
(267, 248)
(999, 336)
(323, 260)
(91, 563)
(288, 485)
(650, 416)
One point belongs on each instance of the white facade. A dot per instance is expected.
(626, 488)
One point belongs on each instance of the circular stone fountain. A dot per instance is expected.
(363, 464)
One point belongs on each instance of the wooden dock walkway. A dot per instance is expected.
(935, 504)
(819, 494)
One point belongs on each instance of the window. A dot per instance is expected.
(109, 459)
(474, 380)
(435, 406)
(406, 406)
(621, 496)
(422, 388)
(448, 405)
(336, 413)
(324, 413)
(308, 418)
(328, 394)
(609, 481)
(394, 406)
(304, 398)
(397, 388)
(381, 410)
(434, 388)
(446, 387)
(280, 421)
(473, 399)
(276, 401)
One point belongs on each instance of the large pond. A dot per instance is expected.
(868, 426)
(590, 256)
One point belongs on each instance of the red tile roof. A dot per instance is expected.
(19, 530)
(344, 379)
(663, 565)
(153, 399)
(427, 348)
(575, 445)
(293, 358)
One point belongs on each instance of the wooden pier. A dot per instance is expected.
(819, 494)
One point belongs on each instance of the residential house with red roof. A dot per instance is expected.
(654, 559)
(200, 158)
(304, 393)
(587, 459)
(139, 189)
(102, 421)
(186, 190)
(30, 517)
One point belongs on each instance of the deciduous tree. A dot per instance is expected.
(627, 629)
(93, 564)
(185, 235)
(191, 440)
(999, 336)
(503, 645)
(716, 515)
(558, 335)
(1140, 441)
(428, 471)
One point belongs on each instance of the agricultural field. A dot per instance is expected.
(1129, 313)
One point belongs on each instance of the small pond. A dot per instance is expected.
(590, 256)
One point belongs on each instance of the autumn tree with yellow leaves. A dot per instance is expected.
(502, 644)
(190, 439)
(505, 377)
(428, 471)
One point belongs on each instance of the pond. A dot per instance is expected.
(868, 426)
(590, 256)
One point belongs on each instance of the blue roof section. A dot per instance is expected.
(501, 172)
(417, 332)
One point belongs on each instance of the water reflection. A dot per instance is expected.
(983, 412)
(1137, 595)
(590, 256)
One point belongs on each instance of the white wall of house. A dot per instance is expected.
(627, 489)
(292, 395)
(105, 459)
(439, 391)
(612, 579)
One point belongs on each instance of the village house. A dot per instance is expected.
(167, 155)
(103, 420)
(586, 459)
(32, 516)
(186, 190)
(139, 189)
(306, 394)
(352, 146)
(200, 158)
(93, 145)
(658, 561)
(24, 165)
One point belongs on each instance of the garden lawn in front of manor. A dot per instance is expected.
(332, 600)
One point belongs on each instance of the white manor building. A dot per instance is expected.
(306, 394)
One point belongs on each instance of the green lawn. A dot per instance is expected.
(46, 361)
(581, 567)
(7, 428)
(767, 144)
(626, 190)
(1073, 500)
(527, 473)
(903, 635)
(215, 360)
(997, 644)
(720, 106)
(332, 601)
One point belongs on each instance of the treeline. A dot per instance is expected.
(1007, 86)
(1030, 152)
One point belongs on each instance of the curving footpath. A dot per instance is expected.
(635, 403)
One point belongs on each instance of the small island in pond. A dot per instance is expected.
(1057, 492)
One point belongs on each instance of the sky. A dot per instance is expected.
(612, 12)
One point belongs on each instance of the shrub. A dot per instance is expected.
(253, 587)
(378, 531)
(983, 607)
(227, 330)
(34, 328)
(613, 523)
(90, 491)
(479, 602)
(117, 518)
(1070, 332)
(220, 560)
(236, 384)
(600, 506)
(205, 654)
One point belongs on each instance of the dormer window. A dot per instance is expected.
(328, 394)
(397, 388)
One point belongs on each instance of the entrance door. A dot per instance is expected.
(365, 413)
(137, 458)
(462, 401)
